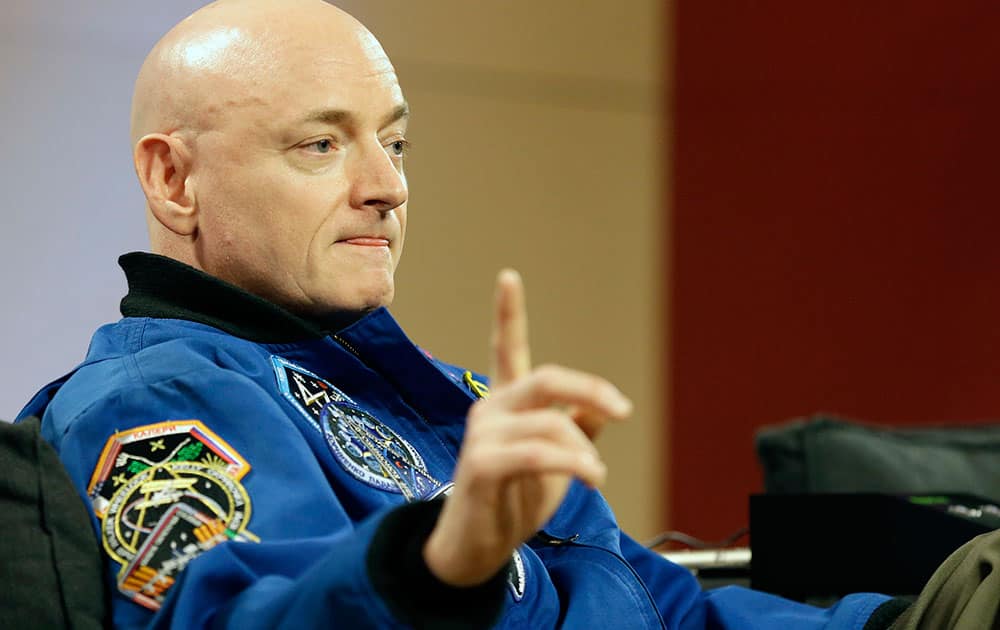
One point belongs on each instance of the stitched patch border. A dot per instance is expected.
(165, 493)
(127, 453)
(306, 391)
(373, 453)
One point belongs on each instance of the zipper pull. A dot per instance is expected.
(553, 541)
(479, 389)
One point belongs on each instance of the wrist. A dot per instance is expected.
(446, 560)
(417, 597)
(437, 557)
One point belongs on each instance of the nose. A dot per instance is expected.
(378, 182)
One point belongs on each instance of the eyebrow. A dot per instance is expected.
(341, 116)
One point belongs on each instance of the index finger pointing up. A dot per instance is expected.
(511, 355)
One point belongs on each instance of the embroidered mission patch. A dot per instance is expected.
(308, 392)
(374, 453)
(165, 493)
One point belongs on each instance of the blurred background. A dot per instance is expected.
(741, 212)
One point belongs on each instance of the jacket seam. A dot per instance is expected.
(137, 381)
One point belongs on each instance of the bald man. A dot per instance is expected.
(260, 443)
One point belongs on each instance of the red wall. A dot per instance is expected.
(835, 227)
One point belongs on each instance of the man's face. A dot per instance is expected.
(299, 184)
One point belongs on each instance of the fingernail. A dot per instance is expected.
(509, 275)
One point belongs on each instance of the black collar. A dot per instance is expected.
(162, 287)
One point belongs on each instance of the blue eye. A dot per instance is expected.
(323, 146)
(399, 147)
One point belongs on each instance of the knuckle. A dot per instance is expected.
(548, 368)
(553, 419)
(497, 344)
(518, 345)
(532, 457)
(551, 424)
(548, 376)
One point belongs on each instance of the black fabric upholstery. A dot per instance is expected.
(886, 614)
(51, 573)
(831, 454)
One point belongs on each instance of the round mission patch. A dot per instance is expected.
(373, 453)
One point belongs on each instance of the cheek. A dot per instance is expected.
(237, 175)
(243, 218)
(261, 199)
(401, 214)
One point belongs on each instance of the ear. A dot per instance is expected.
(163, 164)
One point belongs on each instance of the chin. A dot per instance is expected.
(366, 299)
(384, 299)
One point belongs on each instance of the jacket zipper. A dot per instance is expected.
(549, 540)
(349, 347)
(357, 354)
(553, 541)
(542, 536)
(343, 342)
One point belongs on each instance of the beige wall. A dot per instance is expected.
(539, 143)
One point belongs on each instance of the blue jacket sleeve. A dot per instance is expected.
(322, 582)
(313, 565)
(683, 604)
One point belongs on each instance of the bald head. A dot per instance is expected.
(221, 56)
(268, 138)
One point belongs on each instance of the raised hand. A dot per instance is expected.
(522, 447)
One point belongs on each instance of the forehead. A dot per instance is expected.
(304, 72)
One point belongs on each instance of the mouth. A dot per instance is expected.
(366, 241)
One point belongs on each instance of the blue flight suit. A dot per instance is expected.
(248, 468)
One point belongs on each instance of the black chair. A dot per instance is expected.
(51, 568)
(825, 453)
(853, 506)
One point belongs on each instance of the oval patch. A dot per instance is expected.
(373, 453)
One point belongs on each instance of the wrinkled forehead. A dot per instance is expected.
(271, 76)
